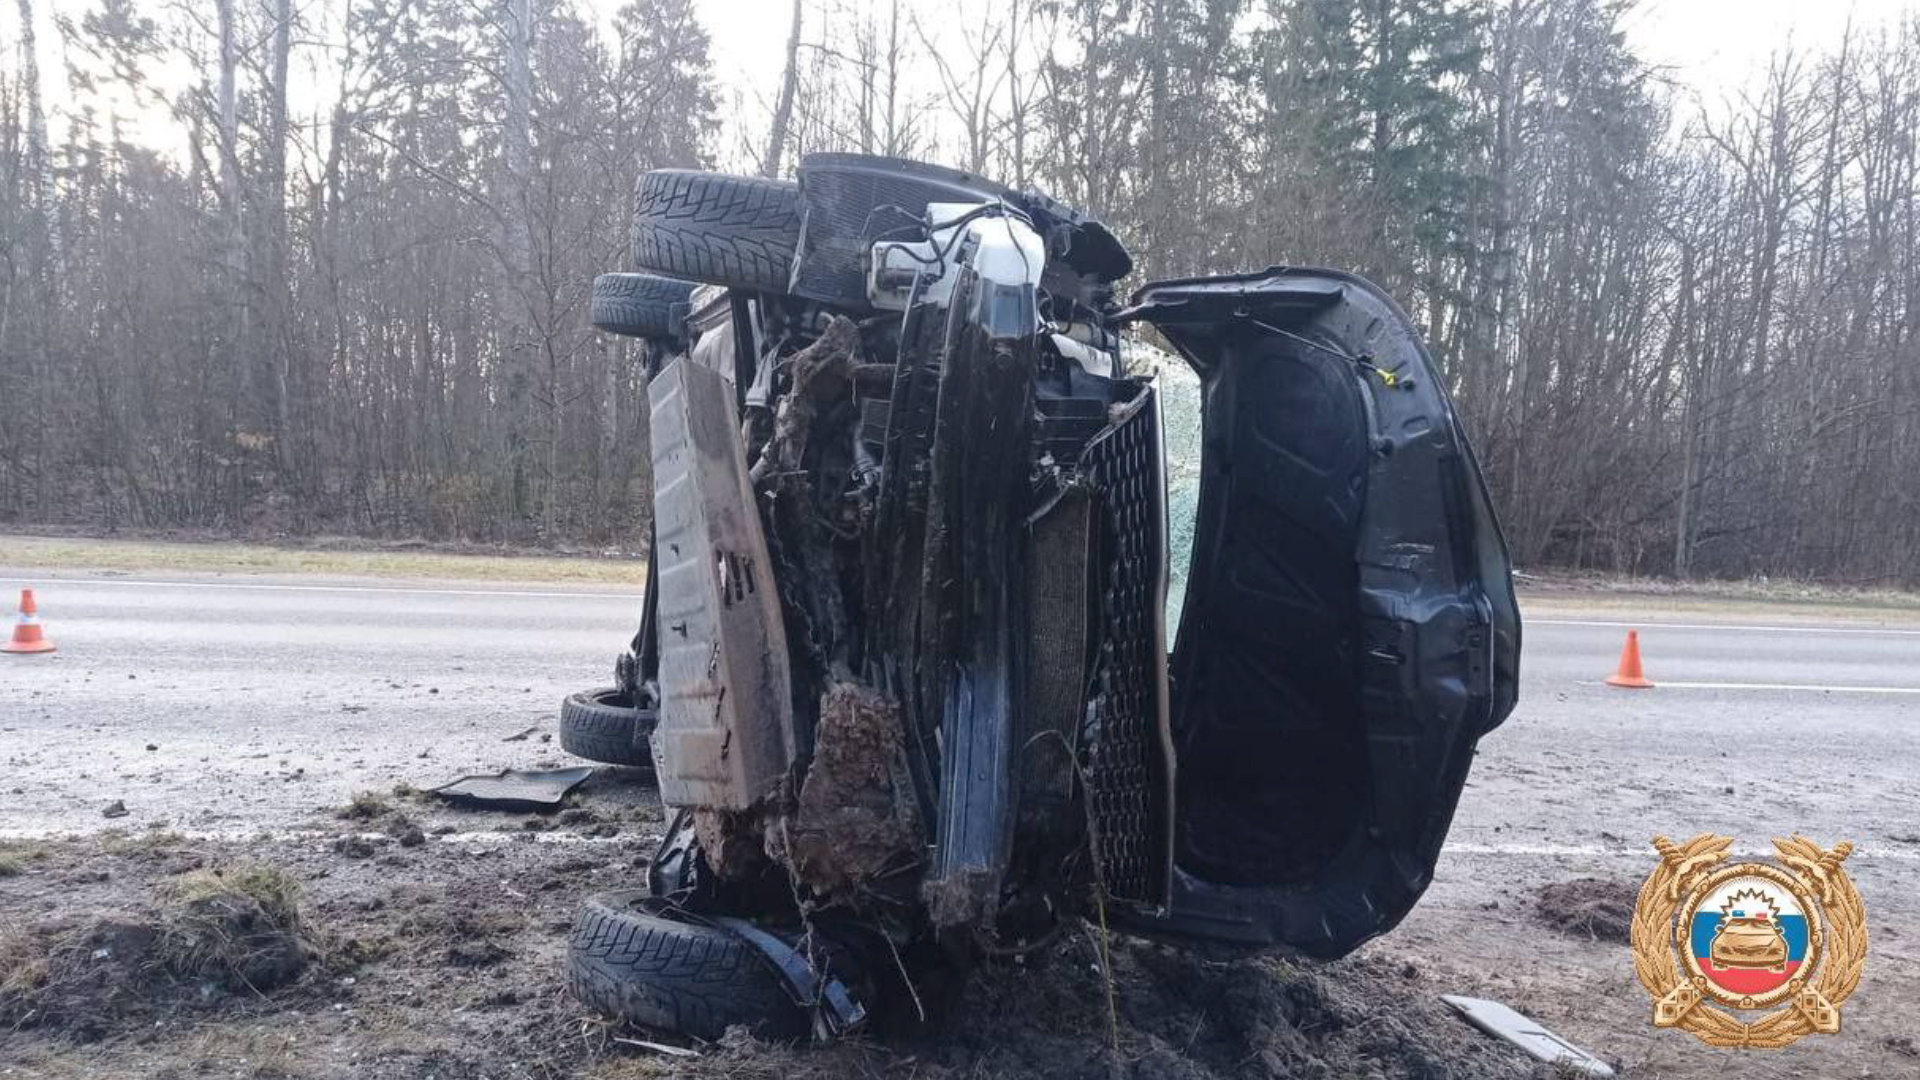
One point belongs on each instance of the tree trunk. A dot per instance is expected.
(234, 242)
(274, 355)
(518, 248)
(783, 108)
(39, 158)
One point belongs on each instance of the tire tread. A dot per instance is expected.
(736, 231)
(674, 976)
(637, 305)
(593, 728)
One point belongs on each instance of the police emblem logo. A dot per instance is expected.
(1776, 947)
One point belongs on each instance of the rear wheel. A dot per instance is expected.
(736, 231)
(630, 957)
(604, 726)
(639, 305)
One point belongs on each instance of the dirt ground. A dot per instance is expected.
(433, 939)
(434, 936)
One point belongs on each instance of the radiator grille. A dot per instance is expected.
(1123, 749)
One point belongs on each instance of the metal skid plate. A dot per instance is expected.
(725, 734)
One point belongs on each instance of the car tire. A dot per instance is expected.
(639, 305)
(603, 725)
(736, 231)
(629, 957)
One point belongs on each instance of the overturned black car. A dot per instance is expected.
(906, 665)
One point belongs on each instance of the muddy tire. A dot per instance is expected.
(639, 305)
(603, 726)
(736, 231)
(675, 976)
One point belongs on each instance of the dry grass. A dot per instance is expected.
(238, 924)
(365, 806)
(1558, 590)
(23, 965)
(122, 842)
(344, 557)
(15, 858)
(277, 893)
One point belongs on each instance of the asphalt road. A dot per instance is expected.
(220, 705)
(217, 702)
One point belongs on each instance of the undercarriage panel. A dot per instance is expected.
(724, 740)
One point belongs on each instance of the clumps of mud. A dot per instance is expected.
(856, 817)
(371, 809)
(1598, 909)
(230, 931)
(1173, 1016)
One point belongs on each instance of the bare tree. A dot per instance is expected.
(783, 107)
(517, 245)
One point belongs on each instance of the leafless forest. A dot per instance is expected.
(295, 268)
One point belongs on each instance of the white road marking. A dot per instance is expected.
(43, 585)
(492, 838)
(1813, 689)
(482, 838)
(1588, 851)
(1760, 628)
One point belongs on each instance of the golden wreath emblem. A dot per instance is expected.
(1786, 942)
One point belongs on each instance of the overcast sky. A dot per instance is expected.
(1714, 47)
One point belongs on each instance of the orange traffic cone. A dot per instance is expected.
(1629, 675)
(27, 637)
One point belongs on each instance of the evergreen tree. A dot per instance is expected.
(1376, 91)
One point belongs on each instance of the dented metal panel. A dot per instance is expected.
(724, 739)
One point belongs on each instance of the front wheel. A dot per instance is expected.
(630, 957)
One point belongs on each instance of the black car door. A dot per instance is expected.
(1349, 630)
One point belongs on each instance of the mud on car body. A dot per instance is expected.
(918, 701)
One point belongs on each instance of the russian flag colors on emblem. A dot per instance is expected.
(1749, 936)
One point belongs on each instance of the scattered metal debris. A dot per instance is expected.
(835, 1006)
(515, 789)
(658, 1048)
(1504, 1023)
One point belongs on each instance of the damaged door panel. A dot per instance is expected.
(1350, 628)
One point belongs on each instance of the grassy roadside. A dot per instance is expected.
(1726, 599)
(1539, 592)
(224, 557)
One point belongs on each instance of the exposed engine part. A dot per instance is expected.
(1095, 361)
(969, 678)
(994, 239)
